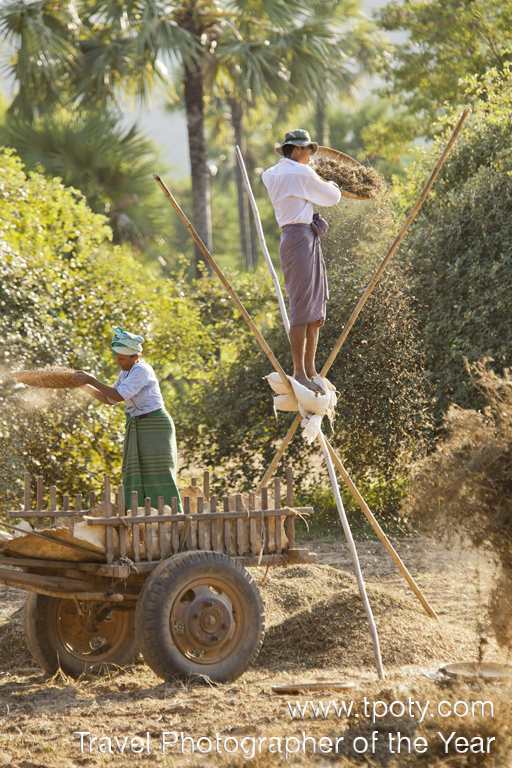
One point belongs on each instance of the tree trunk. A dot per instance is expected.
(243, 210)
(321, 122)
(200, 173)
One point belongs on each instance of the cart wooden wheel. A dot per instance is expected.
(200, 614)
(78, 637)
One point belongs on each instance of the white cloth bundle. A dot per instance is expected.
(312, 406)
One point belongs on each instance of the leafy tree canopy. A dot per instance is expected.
(63, 285)
(461, 246)
(438, 44)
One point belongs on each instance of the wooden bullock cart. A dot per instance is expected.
(171, 586)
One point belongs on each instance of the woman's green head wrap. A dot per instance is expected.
(125, 343)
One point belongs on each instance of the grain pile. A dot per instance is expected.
(49, 378)
(360, 180)
(315, 617)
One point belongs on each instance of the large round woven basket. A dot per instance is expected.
(49, 378)
(336, 154)
(328, 153)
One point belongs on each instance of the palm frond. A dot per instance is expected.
(44, 37)
(110, 164)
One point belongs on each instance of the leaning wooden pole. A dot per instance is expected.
(365, 509)
(261, 238)
(265, 347)
(413, 214)
(353, 552)
(335, 457)
(225, 282)
(321, 437)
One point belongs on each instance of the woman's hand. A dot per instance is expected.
(84, 378)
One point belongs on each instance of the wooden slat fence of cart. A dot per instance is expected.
(134, 509)
(175, 531)
(277, 520)
(123, 531)
(164, 538)
(264, 528)
(254, 541)
(218, 527)
(204, 534)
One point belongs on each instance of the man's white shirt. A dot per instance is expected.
(294, 188)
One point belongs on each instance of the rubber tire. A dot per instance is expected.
(40, 621)
(152, 613)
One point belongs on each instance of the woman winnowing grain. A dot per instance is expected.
(149, 452)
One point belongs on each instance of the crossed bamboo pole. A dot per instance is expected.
(330, 466)
(331, 456)
(371, 286)
(402, 568)
(329, 452)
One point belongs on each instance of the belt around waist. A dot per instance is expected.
(149, 413)
(297, 224)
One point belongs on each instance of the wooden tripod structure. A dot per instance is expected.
(330, 454)
(370, 288)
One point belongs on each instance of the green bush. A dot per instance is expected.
(462, 491)
(384, 497)
(112, 166)
(382, 416)
(63, 285)
(460, 249)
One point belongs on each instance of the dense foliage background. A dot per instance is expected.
(460, 250)
(62, 287)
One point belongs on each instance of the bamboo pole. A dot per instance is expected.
(348, 480)
(261, 237)
(365, 509)
(372, 285)
(265, 347)
(225, 282)
(353, 551)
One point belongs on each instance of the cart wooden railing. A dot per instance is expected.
(256, 528)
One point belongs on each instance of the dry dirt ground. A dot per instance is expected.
(316, 629)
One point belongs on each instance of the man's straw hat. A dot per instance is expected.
(298, 138)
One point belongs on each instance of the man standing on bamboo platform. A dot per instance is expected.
(149, 454)
(294, 188)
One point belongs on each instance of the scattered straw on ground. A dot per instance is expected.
(50, 378)
(12, 642)
(40, 716)
(360, 180)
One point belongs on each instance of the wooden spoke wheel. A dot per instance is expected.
(78, 637)
(200, 613)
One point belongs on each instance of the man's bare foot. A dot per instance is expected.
(316, 375)
(303, 379)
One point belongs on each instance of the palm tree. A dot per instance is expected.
(356, 45)
(46, 36)
(131, 43)
(110, 165)
(286, 54)
(109, 47)
(264, 48)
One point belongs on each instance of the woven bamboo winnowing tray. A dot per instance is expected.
(49, 378)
